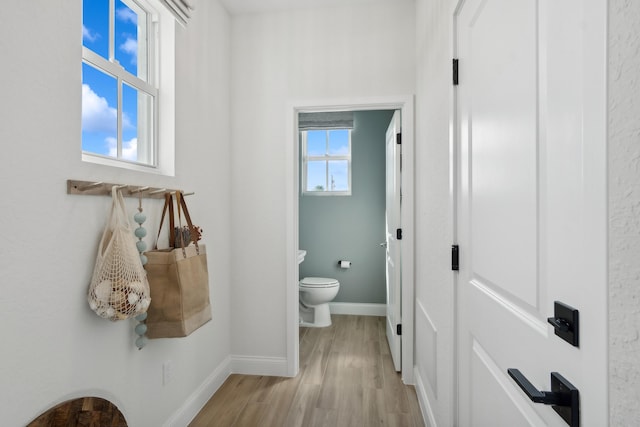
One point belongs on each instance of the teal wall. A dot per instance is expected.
(334, 228)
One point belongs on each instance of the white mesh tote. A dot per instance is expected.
(119, 288)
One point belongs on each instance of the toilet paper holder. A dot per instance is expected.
(344, 264)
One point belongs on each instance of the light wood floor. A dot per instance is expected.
(346, 378)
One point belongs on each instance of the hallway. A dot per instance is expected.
(346, 378)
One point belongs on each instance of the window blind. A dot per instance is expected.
(182, 9)
(326, 120)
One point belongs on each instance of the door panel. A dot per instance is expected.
(492, 386)
(503, 171)
(523, 188)
(427, 346)
(394, 286)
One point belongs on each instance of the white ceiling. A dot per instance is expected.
(255, 6)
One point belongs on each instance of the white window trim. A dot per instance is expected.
(326, 158)
(162, 79)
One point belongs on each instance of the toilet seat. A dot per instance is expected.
(318, 282)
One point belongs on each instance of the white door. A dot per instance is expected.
(531, 206)
(393, 182)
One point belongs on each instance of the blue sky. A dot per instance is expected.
(99, 90)
(318, 145)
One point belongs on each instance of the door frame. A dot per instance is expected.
(404, 103)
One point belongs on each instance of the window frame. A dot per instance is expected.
(327, 157)
(159, 88)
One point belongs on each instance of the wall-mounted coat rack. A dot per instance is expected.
(92, 188)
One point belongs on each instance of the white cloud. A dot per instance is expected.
(130, 46)
(127, 15)
(88, 35)
(129, 148)
(97, 115)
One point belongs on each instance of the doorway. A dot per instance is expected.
(342, 206)
(405, 105)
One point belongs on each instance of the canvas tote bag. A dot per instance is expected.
(179, 280)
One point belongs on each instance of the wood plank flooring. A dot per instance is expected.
(346, 378)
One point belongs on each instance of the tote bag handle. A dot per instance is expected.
(182, 207)
(168, 205)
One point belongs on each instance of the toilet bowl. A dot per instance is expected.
(314, 296)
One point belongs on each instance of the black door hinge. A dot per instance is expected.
(399, 234)
(455, 258)
(455, 72)
(398, 138)
(399, 329)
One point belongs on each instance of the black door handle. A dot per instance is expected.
(564, 397)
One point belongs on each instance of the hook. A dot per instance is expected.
(139, 190)
(90, 186)
(183, 193)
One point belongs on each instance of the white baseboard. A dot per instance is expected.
(425, 408)
(247, 365)
(358, 309)
(196, 401)
(252, 365)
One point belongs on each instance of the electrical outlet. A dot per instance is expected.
(167, 372)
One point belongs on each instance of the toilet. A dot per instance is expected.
(315, 293)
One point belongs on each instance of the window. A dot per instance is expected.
(326, 162)
(120, 85)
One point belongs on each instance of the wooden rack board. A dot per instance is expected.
(93, 188)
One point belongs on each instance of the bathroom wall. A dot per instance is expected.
(333, 53)
(351, 227)
(53, 346)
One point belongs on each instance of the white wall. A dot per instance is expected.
(434, 313)
(321, 54)
(53, 346)
(624, 215)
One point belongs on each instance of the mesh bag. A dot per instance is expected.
(119, 288)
